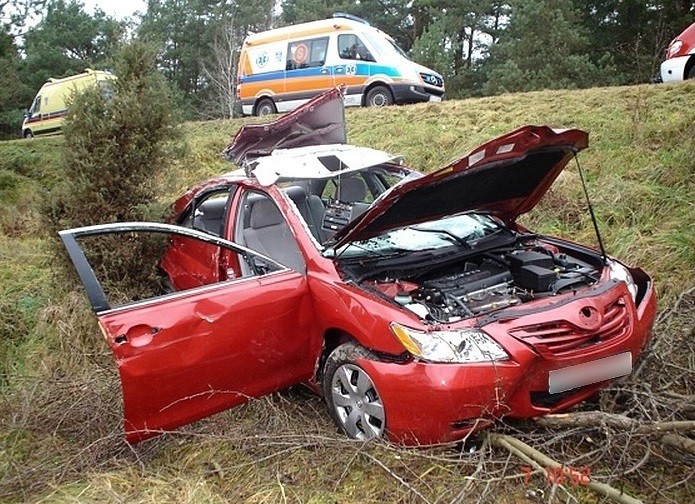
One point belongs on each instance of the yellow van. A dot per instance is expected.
(281, 69)
(48, 110)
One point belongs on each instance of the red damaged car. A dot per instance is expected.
(414, 303)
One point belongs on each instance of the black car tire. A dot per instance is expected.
(266, 106)
(379, 96)
(352, 398)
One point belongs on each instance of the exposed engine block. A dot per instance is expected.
(485, 283)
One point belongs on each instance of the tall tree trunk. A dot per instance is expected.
(458, 51)
(469, 55)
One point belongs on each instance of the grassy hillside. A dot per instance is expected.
(60, 435)
(640, 165)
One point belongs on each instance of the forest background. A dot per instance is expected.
(482, 47)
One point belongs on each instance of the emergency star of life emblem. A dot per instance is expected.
(262, 59)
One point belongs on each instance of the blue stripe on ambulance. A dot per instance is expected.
(266, 76)
(361, 69)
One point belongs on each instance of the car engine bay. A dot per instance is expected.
(485, 282)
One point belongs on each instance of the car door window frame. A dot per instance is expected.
(93, 288)
(35, 106)
(189, 218)
(351, 47)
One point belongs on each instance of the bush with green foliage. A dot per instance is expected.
(116, 144)
(544, 47)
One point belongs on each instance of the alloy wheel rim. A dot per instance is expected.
(357, 403)
(379, 100)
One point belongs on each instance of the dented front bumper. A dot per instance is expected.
(435, 402)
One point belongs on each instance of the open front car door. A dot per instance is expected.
(184, 355)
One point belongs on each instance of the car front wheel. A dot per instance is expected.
(353, 401)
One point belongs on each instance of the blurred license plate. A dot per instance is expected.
(586, 373)
(435, 98)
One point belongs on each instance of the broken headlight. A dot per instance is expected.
(459, 346)
(622, 274)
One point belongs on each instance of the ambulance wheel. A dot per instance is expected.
(265, 107)
(28, 134)
(379, 96)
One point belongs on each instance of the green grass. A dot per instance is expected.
(60, 437)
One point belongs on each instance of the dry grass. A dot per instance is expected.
(62, 443)
(60, 406)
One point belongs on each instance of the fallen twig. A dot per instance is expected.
(543, 460)
(667, 431)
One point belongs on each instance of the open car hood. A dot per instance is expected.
(505, 177)
(320, 121)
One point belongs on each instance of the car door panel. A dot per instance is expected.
(189, 354)
(188, 263)
(185, 358)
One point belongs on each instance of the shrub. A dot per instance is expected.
(116, 143)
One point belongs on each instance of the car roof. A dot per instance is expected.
(316, 162)
(308, 143)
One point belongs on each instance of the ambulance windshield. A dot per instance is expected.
(385, 45)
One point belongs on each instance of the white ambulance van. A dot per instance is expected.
(48, 110)
(281, 69)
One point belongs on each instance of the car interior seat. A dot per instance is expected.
(310, 207)
(209, 216)
(353, 190)
(269, 234)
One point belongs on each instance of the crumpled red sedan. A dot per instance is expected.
(415, 304)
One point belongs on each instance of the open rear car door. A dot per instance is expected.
(187, 354)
